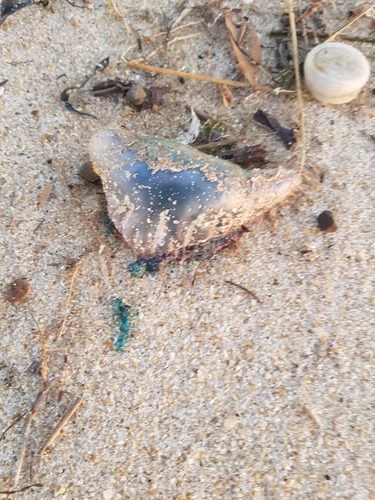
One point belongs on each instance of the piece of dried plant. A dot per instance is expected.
(247, 48)
(310, 10)
(226, 95)
(45, 195)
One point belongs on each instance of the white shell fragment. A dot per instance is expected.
(335, 72)
(172, 202)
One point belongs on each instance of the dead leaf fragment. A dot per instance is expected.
(247, 48)
(226, 95)
(193, 132)
(45, 194)
(17, 290)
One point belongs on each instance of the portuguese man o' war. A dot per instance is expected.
(172, 202)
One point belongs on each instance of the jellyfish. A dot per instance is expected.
(171, 202)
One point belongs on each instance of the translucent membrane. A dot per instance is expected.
(171, 201)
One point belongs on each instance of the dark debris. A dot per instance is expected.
(9, 7)
(326, 222)
(287, 136)
(65, 94)
(17, 290)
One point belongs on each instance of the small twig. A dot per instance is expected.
(65, 419)
(182, 15)
(77, 6)
(179, 38)
(12, 492)
(154, 69)
(68, 301)
(17, 419)
(204, 78)
(245, 290)
(115, 8)
(313, 415)
(325, 36)
(349, 23)
(293, 31)
(34, 410)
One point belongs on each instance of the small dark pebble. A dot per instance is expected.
(88, 174)
(373, 91)
(326, 222)
(327, 477)
(17, 290)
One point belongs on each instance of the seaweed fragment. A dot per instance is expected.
(9, 7)
(243, 156)
(65, 94)
(286, 135)
(111, 86)
(139, 267)
(216, 142)
(108, 224)
(122, 312)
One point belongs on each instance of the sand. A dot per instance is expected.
(216, 396)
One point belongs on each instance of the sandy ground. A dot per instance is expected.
(216, 395)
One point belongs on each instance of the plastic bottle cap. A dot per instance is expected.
(335, 72)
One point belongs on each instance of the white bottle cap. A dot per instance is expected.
(335, 72)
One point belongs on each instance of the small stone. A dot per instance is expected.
(88, 173)
(326, 222)
(230, 423)
(107, 494)
(74, 22)
(136, 95)
(17, 290)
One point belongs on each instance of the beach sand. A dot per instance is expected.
(216, 396)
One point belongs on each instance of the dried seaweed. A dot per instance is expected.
(121, 312)
(13, 492)
(287, 136)
(65, 94)
(9, 7)
(111, 86)
(244, 156)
